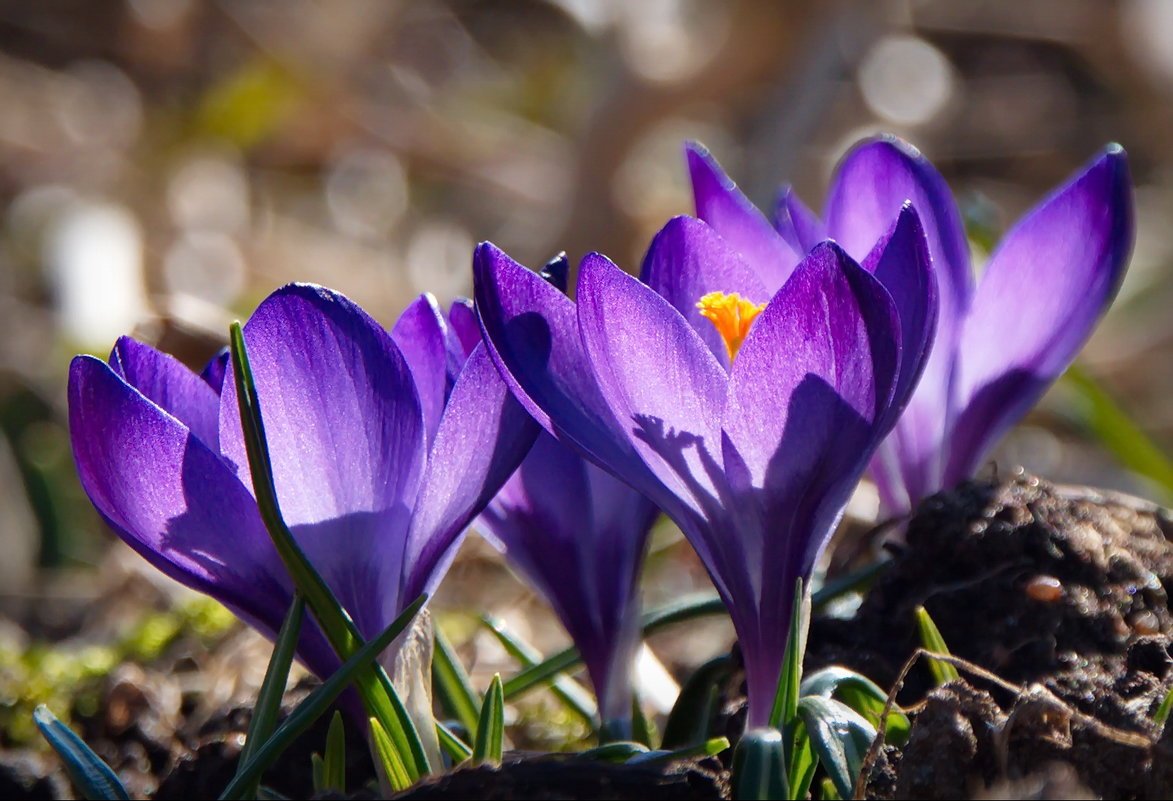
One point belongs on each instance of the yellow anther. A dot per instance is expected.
(731, 315)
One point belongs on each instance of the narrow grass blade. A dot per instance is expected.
(268, 705)
(1162, 713)
(785, 708)
(92, 777)
(692, 714)
(931, 639)
(334, 762)
(542, 671)
(489, 743)
(759, 766)
(850, 582)
(710, 747)
(688, 608)
(802, 762)
(389, 757)
(455, 747)
(451, 684)
(643, 729)
(375, 688)
(318, 767)
(620, 751)
(566, 689)
(317, 703)
(840, 737)
(1115, 428)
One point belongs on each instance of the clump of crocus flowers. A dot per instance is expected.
(742, 384)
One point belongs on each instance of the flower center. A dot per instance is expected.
(731, 315)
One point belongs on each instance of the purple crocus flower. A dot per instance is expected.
(577, 534)
(382, 454)
(749, 431)
(1002, 340)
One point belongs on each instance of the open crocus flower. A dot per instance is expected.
(749, 433)
(1002, 340)
(577, 534)
(382, 454)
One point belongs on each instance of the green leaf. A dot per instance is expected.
(850, 582)
(708, 748)
(785, 708)
(688, 608)
(489, 743)
(619, 751)
(643, 729)
(1113, 426)
(932, 641)
(334, 763)
(268, 706)
(861, 694)
(318, 768)
(389, 757)
(455, 747)
(568, 691)
(1162, 713)
(318, 702)
(92, 777)
(378, 695)
(692, 714)
(451, 684)
(802, 761)
(542, 671)
(840, 737)
(759, 770)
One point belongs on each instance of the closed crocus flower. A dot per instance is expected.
(577, 535)
(382, 452)
(1001, 340)
(748, 418)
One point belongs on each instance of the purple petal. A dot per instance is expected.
(422, 336)
(870, 187)
(339, 403)
(686, 261)
(797, 224)
(166, 382)
(658, 377)
(482, 439)
(908, 463)
(1046, 286)
(799, 433)
(178, 504)
(531, 330)
(216, 368)
(464, 330)
(169, 496)
(901, 262)
(578, 535)
(832, 325)
(722, 205)
(872, 184)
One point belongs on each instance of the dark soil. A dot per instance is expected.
(549, 777)
(1057, 600)
(1062, 594)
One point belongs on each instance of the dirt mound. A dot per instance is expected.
(1063, 595)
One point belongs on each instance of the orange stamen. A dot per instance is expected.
(731, 315)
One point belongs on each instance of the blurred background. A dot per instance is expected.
(164, 164)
